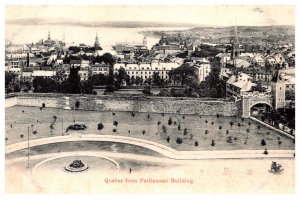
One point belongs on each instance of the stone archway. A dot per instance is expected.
(257, 108)
(248, 101)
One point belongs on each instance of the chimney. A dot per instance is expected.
(27, 60)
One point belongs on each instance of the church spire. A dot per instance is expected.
(235, 47)
(97, 44)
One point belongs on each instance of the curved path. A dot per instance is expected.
(162, 149)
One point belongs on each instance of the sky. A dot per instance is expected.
(203, 15)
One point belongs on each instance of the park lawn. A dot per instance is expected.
(17, 123)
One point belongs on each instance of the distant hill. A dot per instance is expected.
(113, 24)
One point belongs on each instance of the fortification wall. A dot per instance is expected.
(136, 104)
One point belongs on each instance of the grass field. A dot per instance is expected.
(201, 129)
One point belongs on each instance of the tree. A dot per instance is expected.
(179, 127)
(170, 121)
(279, 143)
(87, 87)
(143, 132)
(157, 80)
(220, 128)
(77, 104)
(44, 85)
(179, 140)
(168, 139)
(158, 123)
(121, 77)
(164, 128)
(185, 131)
(213, 143)
(100, 127)
(99, 79)
(239, 125)
(182, 73)
(147, 90)
(231, 124)
(258, 128)
(9, 77)
(116, 123)
(248, 131)
(74, 86)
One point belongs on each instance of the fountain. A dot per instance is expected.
(76, 166)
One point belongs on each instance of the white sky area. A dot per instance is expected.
(203, 15)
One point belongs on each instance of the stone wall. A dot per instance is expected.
(37, 101)
(136, 104)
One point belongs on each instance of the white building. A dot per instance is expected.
(43, 73)
(237, 84)
(146, 70)
(100, 69)
(203, 69)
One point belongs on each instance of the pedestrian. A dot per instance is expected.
(129, 170)
(11, 126)
(22, 111)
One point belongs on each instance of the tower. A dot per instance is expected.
(96, 45)
(235, 50)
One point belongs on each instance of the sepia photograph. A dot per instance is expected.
(149, 99)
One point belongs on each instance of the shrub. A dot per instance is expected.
(116, 123)
(77, 104)
(196, 144)
(164, 129)
(178, 140)
(213, 143)
(100, 126)
(114, 130)
(170, 121)
(263, 142)
(168, 139)
(185, 131)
